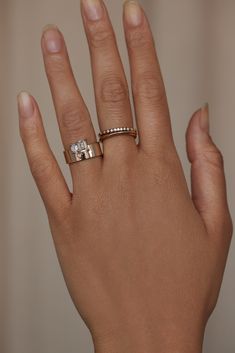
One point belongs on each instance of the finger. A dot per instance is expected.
(208, 179)
(73, 116)
(149, 95)
(111, 89)
(44, 168)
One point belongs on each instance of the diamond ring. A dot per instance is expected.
(81, 150)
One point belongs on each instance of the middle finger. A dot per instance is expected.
(110, 84)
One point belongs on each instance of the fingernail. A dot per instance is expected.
(133, 13)
(52, 38)
(204, 119)
(93, 9)
(26, 106)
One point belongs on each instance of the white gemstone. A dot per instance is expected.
(82, 145)
(78, 146)
(74, 148)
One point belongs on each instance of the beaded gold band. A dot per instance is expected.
(117, 131)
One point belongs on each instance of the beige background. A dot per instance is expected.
(195, 41)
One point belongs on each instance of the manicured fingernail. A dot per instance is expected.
(133, 13)
(204, 119)
(26, 106)
(93, 9)
(52, 39)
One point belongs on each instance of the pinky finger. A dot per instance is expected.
(44, 167)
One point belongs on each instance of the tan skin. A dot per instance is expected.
(142, 257)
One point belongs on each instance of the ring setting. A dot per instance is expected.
(81, 150)
(79, 147)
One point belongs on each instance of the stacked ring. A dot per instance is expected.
(117, 131)
(81, 150)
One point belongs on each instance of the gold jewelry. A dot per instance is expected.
(81, 150)
(117, 131)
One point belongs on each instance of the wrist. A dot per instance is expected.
(145, 340)
(135, 347)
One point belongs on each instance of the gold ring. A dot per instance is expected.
(81, 150)
(117, 131)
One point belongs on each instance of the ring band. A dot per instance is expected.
(81, 150)
(117, 131)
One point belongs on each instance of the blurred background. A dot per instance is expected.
(195, 43)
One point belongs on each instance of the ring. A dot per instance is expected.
(117, 131)
(81, 150)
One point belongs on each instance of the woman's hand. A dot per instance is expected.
(143, 259)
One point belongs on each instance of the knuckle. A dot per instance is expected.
(42, 167)
(100, 37)
(149, 88)
(214, 157)
(55, 65)
(29, 131)
(114, 90)
(167, 169)
(138, 39)
(74, 118)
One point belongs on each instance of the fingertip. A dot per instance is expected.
(29, 116)
(193, 123)
(26, 105)
(204, 119)
(49, 27)
(132, 13)
(200, 120)
(52, 41)
(198, 131)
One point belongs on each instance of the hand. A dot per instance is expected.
(143, 259)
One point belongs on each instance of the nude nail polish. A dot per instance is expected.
(26, 106)
(93, 9)
(133, 13)
(52, 39)
(204, 119)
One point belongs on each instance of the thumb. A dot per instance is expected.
(207, 176)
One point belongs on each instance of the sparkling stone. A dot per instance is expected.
(82, 145)
(74, 148)
(79, 146)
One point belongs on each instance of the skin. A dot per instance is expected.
(142, 257)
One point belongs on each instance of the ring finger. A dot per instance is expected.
(72, 114)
